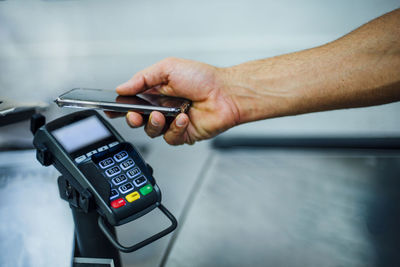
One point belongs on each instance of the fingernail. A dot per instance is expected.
(153, 121)
(181, 121)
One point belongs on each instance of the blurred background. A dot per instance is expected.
(237, 206)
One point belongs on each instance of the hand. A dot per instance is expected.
(212, 112)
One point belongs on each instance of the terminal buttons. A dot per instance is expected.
(103, 148)
(114, 194)
(127, 164)
(120, 156)
(113, 171)
(118, 203)
(119, 179)
(146, 189)
(133, 196)
(80, 159)
(125, 188)
(139, 181)
(113, 144)
(106, 163)
(133, 173)
(91, 153)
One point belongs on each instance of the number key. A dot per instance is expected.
(127, 164)
(114, 194)
(140, 181)
(125, 188)
(113, 171)
(106, 163)
(119, 179)
(121, 156)
(133, 173)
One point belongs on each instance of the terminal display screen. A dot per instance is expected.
(82, 133)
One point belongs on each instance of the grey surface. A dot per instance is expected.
(36, 227)
(293, 208)
(176, 171)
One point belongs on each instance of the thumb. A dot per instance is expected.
(150, 77)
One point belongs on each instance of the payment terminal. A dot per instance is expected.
(108, 173)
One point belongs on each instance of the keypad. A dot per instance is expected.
(134, 172)
(119, 179)
(128, 183)
(127, 164)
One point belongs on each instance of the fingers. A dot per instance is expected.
(145, 79)
(176, 134)
(155, 125)
(134, 119)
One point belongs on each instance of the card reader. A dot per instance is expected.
(108, 172)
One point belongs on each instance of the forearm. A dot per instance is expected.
(359, 69)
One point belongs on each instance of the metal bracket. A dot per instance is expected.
(111, 237)
(78, 199)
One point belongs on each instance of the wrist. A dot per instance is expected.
(257, 92)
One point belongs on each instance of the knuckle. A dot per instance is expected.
(151, 132)
(176, 131)
(168, 61)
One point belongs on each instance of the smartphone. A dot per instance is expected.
(111, 101)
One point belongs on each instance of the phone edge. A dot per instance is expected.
(114, 107)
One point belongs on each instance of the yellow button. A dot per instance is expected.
(133, 196)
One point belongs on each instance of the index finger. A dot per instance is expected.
(144, 80)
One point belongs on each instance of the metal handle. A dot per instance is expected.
(143, 243)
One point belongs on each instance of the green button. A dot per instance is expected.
(146, 189)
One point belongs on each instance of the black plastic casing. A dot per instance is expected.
(86, 175)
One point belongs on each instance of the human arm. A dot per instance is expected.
(359, 69)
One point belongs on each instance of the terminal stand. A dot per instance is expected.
(90, 242)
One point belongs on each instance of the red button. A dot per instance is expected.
(118, 203)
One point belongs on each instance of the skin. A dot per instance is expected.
(360, 69)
